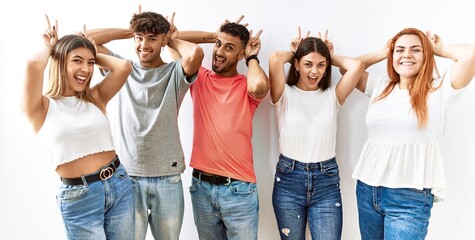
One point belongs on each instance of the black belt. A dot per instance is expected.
(104, 174)
(212, 179)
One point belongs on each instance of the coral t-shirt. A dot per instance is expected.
(222, 138)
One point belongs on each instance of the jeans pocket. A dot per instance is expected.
(243, 188)
(283, 167)
(72, 193)
(194, 185)
(173, 179)
(121, 173)
(330, 168)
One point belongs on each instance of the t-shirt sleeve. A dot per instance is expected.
(374, 84)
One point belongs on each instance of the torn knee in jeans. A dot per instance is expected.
(286, 231)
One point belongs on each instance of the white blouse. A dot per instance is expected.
(397, 153)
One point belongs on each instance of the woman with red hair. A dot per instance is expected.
(400, 170)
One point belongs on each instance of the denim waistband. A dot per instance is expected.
(301, 165)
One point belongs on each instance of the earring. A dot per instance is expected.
(297, 73)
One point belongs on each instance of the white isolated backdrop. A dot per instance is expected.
(28, 185)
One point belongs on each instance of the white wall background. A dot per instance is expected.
(28, 186)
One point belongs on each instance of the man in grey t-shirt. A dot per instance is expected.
(146, 130)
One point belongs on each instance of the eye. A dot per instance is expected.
(229, 48)
(321, 65)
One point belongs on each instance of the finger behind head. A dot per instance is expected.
(258, 34)
(308, 34)
(47, 21)
(299, 32)
(239, 19)
(172, 19)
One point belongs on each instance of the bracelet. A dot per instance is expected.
(250, 58)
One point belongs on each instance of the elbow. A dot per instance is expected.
(126, 68)
(277, 58)
(198, 54)
(360, 66)
(259, 89)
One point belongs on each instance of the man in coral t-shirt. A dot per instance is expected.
(223, 191)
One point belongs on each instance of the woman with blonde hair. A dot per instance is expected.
(95, 195)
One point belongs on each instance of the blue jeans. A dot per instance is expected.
(307, 193)
(225, 211)
(393, 213)
(99, 210)
(158, 201)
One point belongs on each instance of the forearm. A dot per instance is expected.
(192, 55)
(198, 36)
(373, 58)
(456, 52)
(257, 80)
(105, 35)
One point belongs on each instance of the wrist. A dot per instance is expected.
(251, 57)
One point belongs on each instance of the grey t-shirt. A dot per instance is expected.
(146, 134)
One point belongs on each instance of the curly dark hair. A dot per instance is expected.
(149, 22)
(236, 30)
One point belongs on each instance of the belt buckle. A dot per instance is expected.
(106, 173)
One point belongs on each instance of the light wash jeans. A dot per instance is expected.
(158, 202)
(225, 211)
(99, 210)
(393, 213)
(307, 193)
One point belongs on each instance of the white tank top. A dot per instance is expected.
(73, 129)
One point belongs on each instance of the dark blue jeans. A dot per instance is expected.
(307, 193)
(393, 213)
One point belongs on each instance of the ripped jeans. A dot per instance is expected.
(307, 193)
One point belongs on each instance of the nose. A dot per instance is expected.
(219, 50)
(86, 67)
(406, 53)
(314, 70)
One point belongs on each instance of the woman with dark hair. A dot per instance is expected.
(400, 170)
(95, 196)
(306, 184)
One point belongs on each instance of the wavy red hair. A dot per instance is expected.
(421, 87)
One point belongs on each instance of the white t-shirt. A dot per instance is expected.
(307, 123)
(397, 153)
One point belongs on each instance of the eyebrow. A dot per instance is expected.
(414, 46)
(308, 61)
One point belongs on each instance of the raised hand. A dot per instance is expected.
(296, 42)
(435, 41)
(173, 32)
(238, 21)
(253, 45)
(50, 35)
(326, 41)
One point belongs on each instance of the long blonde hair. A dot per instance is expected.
(58, 84)
(421, 87)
